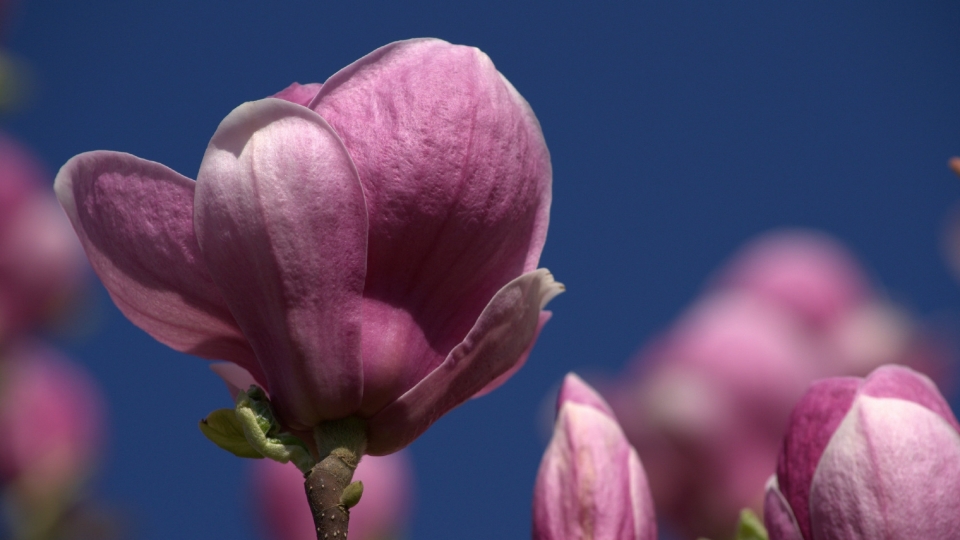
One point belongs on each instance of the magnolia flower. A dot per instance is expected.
(591, 483)
(372, 254)
(41, 264)
(709, 399)
(868, 458)
(51, 423)
(382, 514)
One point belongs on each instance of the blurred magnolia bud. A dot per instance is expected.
(868, 458)
(382, 513)
(708, 401)
(591, 483)
(41, 262)
(52, 424)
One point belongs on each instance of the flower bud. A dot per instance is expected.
(591, 483)
(868, 458)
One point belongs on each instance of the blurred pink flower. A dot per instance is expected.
(373, 255)
(52, 422)
(868, 458)
(382, 514)
(708, 401)
(591, 483)
(41, 263)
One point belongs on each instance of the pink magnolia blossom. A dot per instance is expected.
(591, 483)
(868, 458)
(41, 263)
(382, 514)
(708, 401)
(367, 247)
(51, 422)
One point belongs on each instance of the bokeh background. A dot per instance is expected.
(678, 131)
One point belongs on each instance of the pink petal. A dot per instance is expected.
(777, 515)
(904, 383)
(503, 332)
(891, 470)
(235, 377)
(812, 424)
(502, 378)
(575, 390)
(457, 178)
(807, 272)
(301, 94)
(135, 221)
(590, 483)
(281, 222)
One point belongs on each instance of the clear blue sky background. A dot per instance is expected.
(678, 130)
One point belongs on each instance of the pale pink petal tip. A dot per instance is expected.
(301, 94)
(575, 390)
(235, 377)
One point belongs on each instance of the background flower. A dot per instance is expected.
(706, 404)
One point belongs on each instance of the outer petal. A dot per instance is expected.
(301, 94)
(590, 484)
(281, 221)
(812, 424)
(502, 333)
(135, 221)
(457, 178)
(778, 516)
(904, 383)
(891, 470)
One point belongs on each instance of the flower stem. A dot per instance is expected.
(340, 444)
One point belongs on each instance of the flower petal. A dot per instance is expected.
(590, 484)
(234, 377)
(504, 330)
(575, 390)
(135, 220)
(301, 94)
(891, 470)
(777, 515)
(502, 378)
(282, 227)
(812, 424)
(457, 178)
(904, 383)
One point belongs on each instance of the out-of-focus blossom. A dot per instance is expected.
(591, 483)
(866, 459)
(709, 400)
(51, 423)
(41, 263)
(382, 514)
(371, 254)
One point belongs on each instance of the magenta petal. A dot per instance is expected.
(235, 377)
(301, 94)
(812, 424)
(502, 333)
(135, 221)
(457, 178)
(891, 470)
(575, 390)
(502, 378)
(777, 515)
(282, 227)
(901, 382)
(590, 483)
